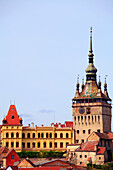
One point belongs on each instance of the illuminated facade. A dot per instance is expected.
(30, 138)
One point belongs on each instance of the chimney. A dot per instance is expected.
(32, 125)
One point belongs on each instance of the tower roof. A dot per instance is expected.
(12, 117)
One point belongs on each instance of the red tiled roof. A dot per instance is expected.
(88, 146)
(89, 159)
(102, 135)
(101, 150)
(110, 134)
(3, 150)
(9, 151)
(12, 117)
(69, 123)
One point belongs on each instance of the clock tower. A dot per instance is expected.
(91, 108)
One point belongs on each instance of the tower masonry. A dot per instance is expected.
(91, 108)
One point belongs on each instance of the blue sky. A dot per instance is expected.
(44, 45)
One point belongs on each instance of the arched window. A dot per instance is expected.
(23, 135)
(17, 144)
(67, 144)
(28, 135)
(98, 118)
(61, 144)
(12, 135)
(50, 144)
(55, 135)
(33, 135)
(38, 145)
(44, 144)
(61, 135)
(46, 135)
(38, 135)
(7, 144)
(67, 135)
(12, 144)
(42, 135)
(50, 135)
(17, 135)
(33, 145)
(7, 135)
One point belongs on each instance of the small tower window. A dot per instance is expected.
(88, 110)
(12, 117)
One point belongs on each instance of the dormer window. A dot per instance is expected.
(12, 108)
(12, 117)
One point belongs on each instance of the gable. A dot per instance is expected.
(93, 136)
(25, 163)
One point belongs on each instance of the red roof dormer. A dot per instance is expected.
(12, 117)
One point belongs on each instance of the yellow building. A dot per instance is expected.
(34, 138)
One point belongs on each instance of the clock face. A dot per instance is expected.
(81, 110)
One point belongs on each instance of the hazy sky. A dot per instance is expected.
(44, 45)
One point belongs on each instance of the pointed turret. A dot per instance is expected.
(77, 87)
(99, 83)
(105, 88)
(91, 70)
(82, 84)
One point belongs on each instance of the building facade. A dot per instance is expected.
(91, 108)
(34, 138)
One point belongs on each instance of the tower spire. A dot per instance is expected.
(91, 70)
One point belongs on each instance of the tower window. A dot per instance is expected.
(67, 144)
(61, 144)
(12, 135)
(50, 144)
(88, 110)
(23, 135)
(17, 135)
(98, 130)
(46, 135)
(33, 145)
(7, 135)
(12, 117)
(17, 144)
(83, 131)
(82, 140)
(44, 144)
(42, 135)
(12, 144)
(80, 156)
(33, 135)
(28, 145)
(38, 135)
(23, 145)
(50, 135)
(28, 135)
(77, 131)
(89, 131)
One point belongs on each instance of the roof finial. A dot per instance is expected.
(99, 83)
(90, 40)
(105, 84)
(82, 84)
(77, 83)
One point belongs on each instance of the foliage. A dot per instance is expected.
(110, 164)
(89, 166)
(41, 154)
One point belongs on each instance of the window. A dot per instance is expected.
(98, 118)
(99, 158)
(82, 140)
(17, 144)
(98, 130)
(44, 144)
(80, 156)
(50, 135)
(85, 156)
(7, 135)
(67, 135)
(28, 145)
(67, 144)
(17, 135)
(61, 144)
(12, 156)
(7, 144)
(80, 162)
(12, 117)
(77, 131)
(81, 118)
(50, 144)
(12, 135)
(38, 135)
(28, 135)
(33, 145)
(42, 135)
(71, 135)
(83, 131)
(33, 135)
(61, 135)
(46, 135)
(77, 141)
(12, 144)
(38, 144)
(55, 144)
(23, 145)
(88, 110)
(89, 131)
(95, 119)
(55, 135)
(78, 118)
(23, 135)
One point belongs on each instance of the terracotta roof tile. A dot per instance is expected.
(102, 135)
(101, 150)
(69, 123)
(88, 146)
(110, 134)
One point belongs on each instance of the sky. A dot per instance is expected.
(44, 46)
